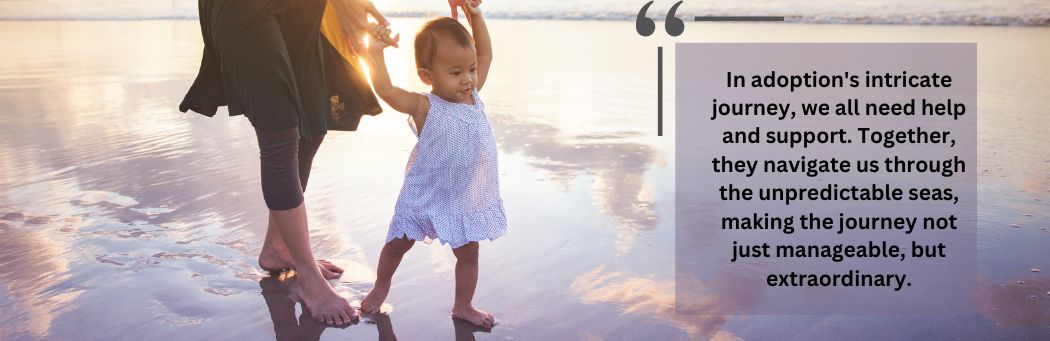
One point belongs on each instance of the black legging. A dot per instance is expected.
(285, 163)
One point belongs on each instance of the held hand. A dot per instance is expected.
(382, 34)
(381, 38)
(353, 16)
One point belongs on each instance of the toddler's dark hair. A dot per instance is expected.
(427, 39)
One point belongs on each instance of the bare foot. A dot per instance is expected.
(272, 262)
(323, 302)
(374, 300)
(328, 269)
(473, 315)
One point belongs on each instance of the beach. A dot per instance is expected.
(126, 219)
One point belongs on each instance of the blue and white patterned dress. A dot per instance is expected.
(451, 188)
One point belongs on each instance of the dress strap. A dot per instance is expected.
(436, 103)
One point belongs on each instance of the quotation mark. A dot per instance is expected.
(672, 24)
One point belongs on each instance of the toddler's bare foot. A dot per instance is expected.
(273, 262)
(374, 300)
(473, 315)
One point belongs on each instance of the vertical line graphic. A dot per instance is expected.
(659, 91)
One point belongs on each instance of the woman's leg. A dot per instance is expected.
(274, 255)
(282, 191)
(307, 151)
(466, 282)
(389, 259)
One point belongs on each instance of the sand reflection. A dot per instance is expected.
(281, 293)
(31, 263)
(1022, 302)
(635, 294)
(620, 189)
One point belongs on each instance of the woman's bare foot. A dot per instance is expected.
(323, 302)
(473, 315)
(273, 262)
(374, 300)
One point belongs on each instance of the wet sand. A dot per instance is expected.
(125, 219)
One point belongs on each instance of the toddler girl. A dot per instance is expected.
(451, 188)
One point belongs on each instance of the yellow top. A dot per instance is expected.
(332, 30)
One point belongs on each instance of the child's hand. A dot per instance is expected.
(381, 38)
(470, 7)
(456, 4)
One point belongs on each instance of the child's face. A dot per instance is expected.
(453, 72)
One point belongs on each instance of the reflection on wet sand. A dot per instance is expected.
(1018, 303)
(620, 188)
(281, 296)
(635, 294)
(465, 330)
(30, 265)
(281, 293)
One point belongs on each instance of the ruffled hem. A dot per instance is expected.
(454, 230)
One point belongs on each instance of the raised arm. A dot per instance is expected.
(482, 42)
(401, 100)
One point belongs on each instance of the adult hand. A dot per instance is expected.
(353, 19)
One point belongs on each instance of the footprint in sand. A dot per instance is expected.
(176, 313)
(221, 284)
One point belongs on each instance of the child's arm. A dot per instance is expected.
(401, 100)
(482, 42)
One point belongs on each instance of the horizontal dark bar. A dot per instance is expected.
(741, 18)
